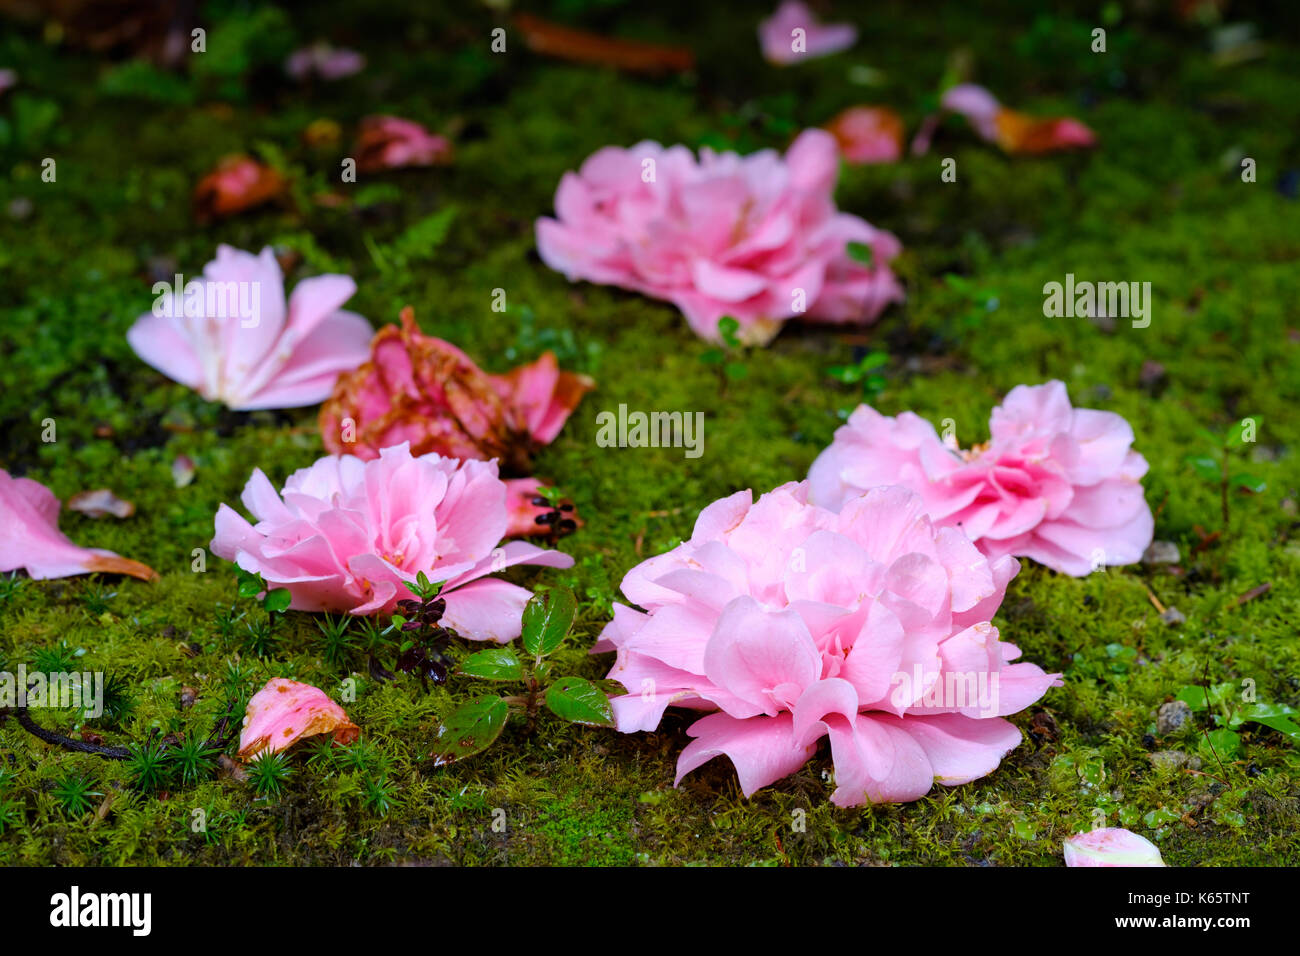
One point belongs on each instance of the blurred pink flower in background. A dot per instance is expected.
(231, 336)
(347, 535)
(1056, 484)
(1111, 846)
(793, 623)
(1013, 131)
(325, 61)
(285, 711)
(868, 134)
(30, 537)
(389, 142)
(782, 45)
(235, 184)
(756, 237)
(8, 78)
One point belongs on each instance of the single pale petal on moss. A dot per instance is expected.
(1111, 846)
(237, 183)
(100, 502)
(285, 711)
(1020, 133)
(30, 537)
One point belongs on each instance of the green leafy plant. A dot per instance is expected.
(338, 646)
(866, 373)
(268, 773)
(74, 794)
(474, 725)
(1216, 462)
(148, 765)
(193, 759)
(1224, 705)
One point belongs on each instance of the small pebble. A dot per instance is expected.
(1174, 760)
(1172, 716)
(1161, 552)
(1173, 617)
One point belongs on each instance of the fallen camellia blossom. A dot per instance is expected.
(868, 134)
(324, 61)
(231, 337)
(100, 502)
(756, 237)
(8, 78)
(1056, 484)
(237, 183)
(30, 537)
(348, 535)
(1111, 846)
(389, 142)
(792, 34)
(285, 711)
(793, 623)
(1013, 131)
(425, 391)
(535, 516)
(579, 46)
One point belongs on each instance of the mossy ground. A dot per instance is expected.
(1160, 200)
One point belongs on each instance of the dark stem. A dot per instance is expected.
(58, 740)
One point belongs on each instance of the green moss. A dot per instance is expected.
(1157, 201)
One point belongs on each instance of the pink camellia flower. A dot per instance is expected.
(1013, 131)
(237, 183)
(792, 623)
(756, 237)
(1057, 484)
(325, 61)
(8, 78)
(424, 390)
(1112, 846)
(30, 537)
(389, 142)
(792, 34)
(231, 336)
(868, 134)
(284, 712)
(348, 535)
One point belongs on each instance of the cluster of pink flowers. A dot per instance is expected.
(755, 237)
(1057, 484)
(790, 622)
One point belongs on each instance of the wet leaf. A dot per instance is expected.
(580, 701)
(470, 729)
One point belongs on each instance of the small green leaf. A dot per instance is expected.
(1204, 466)
(547, 619)
(497, 663)
(727, 329)
(470, 729)
(1226, 744)
(580, 701)
(250, 585)
(1159, 817)
(1193, 697)
(735, 370)
(860, 252)
(1251, 483)
(713, 356)
(278, 599)
(1273, 716)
